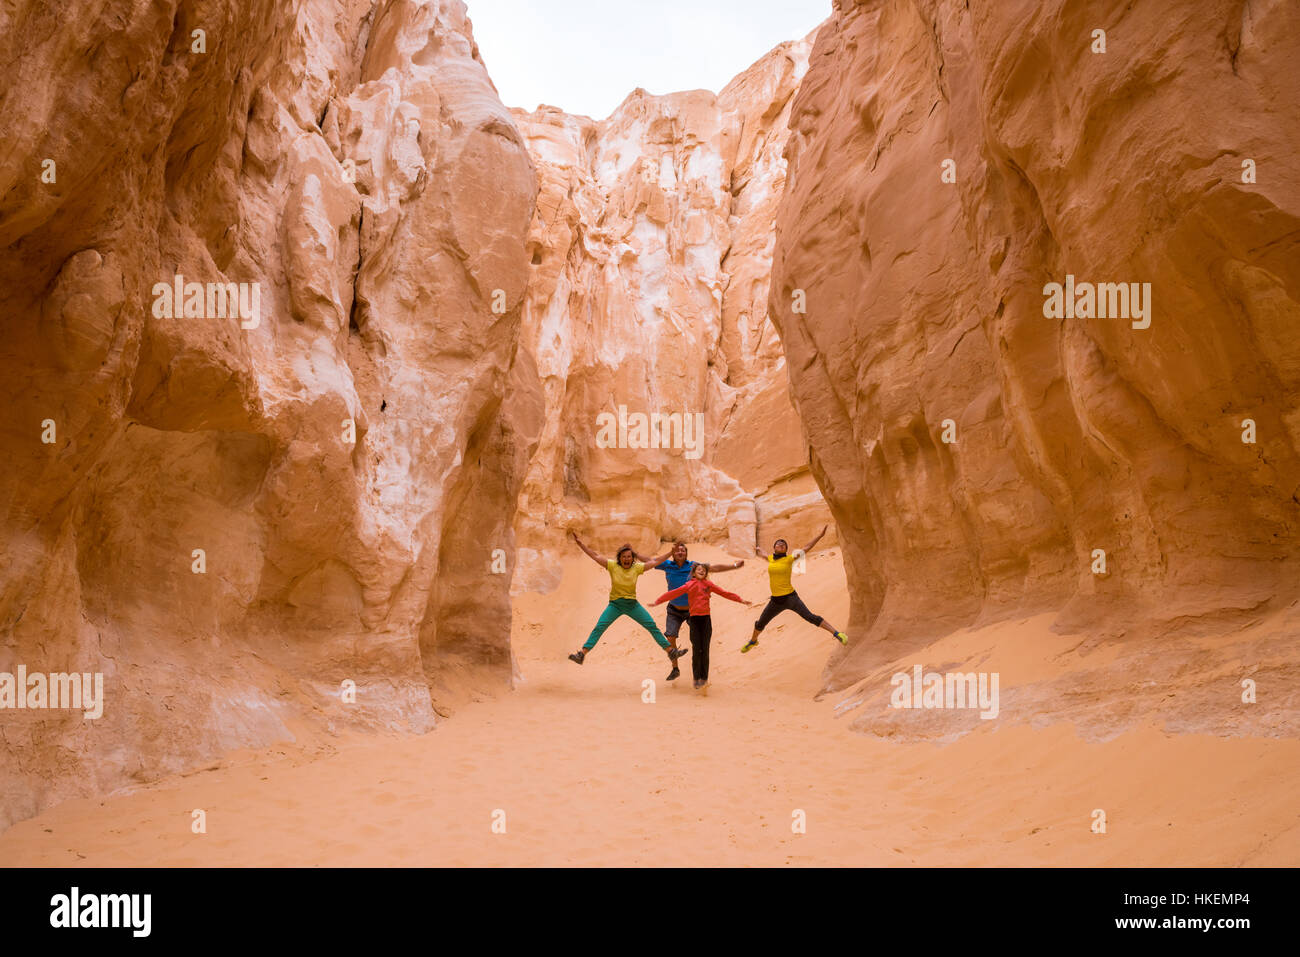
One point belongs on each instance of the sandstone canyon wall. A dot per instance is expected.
(347, 460)
(1167, 159)
(229, 518)
(651, 253)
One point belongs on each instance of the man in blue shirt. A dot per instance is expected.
(678, 570)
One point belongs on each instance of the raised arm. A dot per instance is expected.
(809, 547)
(725, 568)
(602, 562)
(655, 562)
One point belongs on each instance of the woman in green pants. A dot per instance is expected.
(623, 570)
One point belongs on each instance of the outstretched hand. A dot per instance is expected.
(809, 547)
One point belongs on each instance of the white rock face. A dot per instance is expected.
(651, 249)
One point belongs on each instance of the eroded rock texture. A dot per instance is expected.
(347, 461)
(925, 303)
(651, 254)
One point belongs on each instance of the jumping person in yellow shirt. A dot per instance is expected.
(623, 570)
(784, 597)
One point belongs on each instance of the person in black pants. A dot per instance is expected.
(784, 598)
(697, 591)
(677, 568)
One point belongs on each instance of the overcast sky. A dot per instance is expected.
(586, 56)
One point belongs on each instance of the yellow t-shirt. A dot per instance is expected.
(778, 572)
(622, 581)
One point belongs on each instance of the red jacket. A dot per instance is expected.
(697, 595)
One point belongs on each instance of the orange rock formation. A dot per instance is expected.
(980, 445)
(231, 516)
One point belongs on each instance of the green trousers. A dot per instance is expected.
(616, 609)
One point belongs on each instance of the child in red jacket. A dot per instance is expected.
(701, 624)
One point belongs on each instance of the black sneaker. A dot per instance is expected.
(579, 656)
(676, 653)
(675, 673)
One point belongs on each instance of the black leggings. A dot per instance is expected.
(701, 634)
(791, 602)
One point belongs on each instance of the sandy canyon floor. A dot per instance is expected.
(582, 771)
